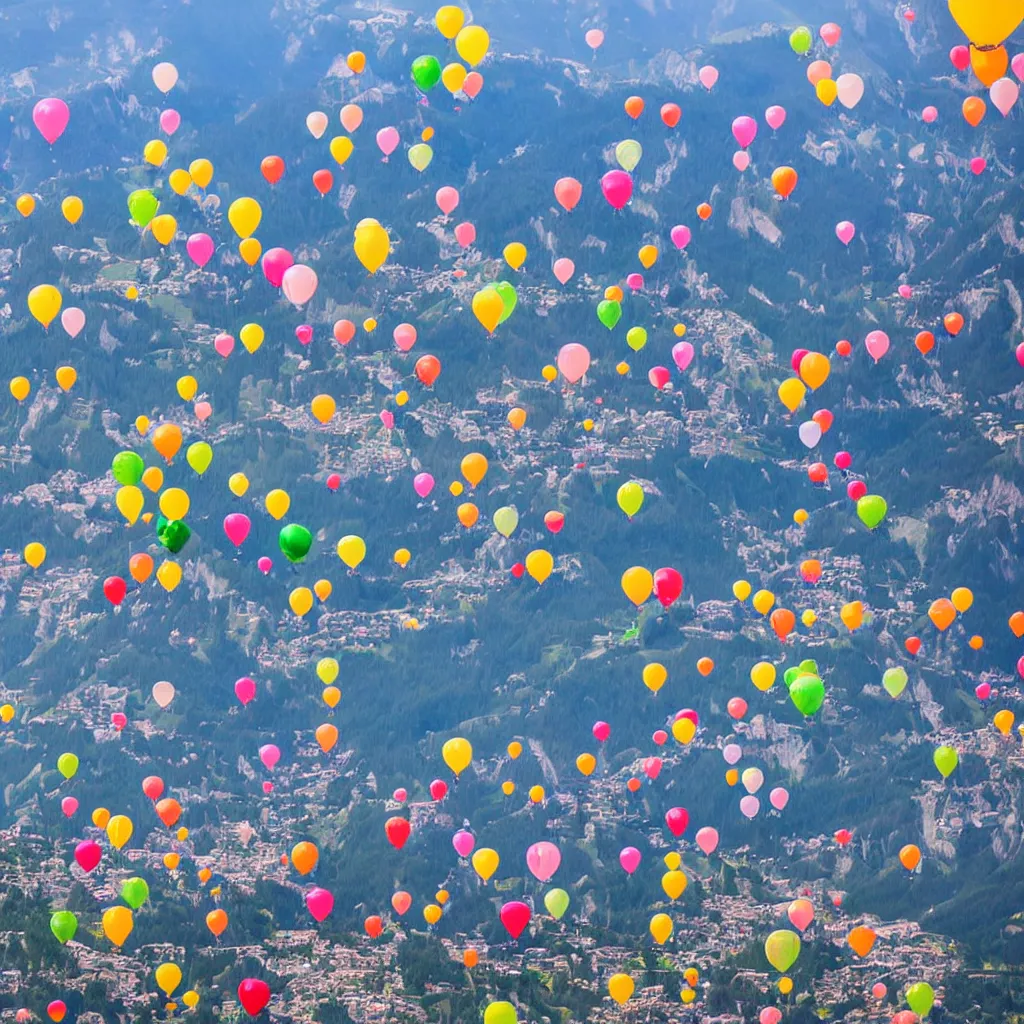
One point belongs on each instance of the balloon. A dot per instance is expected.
(320, 903)
(163, 693)
(708, 76)
(617, 188)
(989, 65)
(671, 114)
(661, 928)
(515, 916)
(620, 988)
(845, 231)
(168, 978)
(871, 510)
(782, 948)
(457, 754)
(800, 39)
(488, 307)
(299, 284)
(472, 44)
(628, 154)
(921, 996)
(426, 72)
(791, 393)
(270, 755)
(676, 820)
(637, 584)
(594, 38)
(800, 913)
(894, 680)
(254, 995)
(744, 130)
(668, 583)
(244, 215)
(118, 923)
(850, 90)
(573, 361)
(752, 779)
(807, 693)
(44, 302)
(630, 498)
(556, 901)
(568, 192)
(543, 860)
(165, 76)
(372, 245)
(775, 117)
(563, 269)
(784, 180)
(973, 109)
(505, 520)
(155, 152)
(420, 156)
(946, 759)
(304, 857)
(929, 115)
(629, 858)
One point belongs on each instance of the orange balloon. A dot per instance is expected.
(327, 736)
(954, 323)
(304, 857)
(471, 958)
(784, 180)
(670, 114)
(732, 776)
(705, 666)
(634, 106)
(861, 939)
(989, 65)
(468, 514)
(356, 61)
(516, 418)
(704, 211)
(925, 342)
(168, 810)
(428, 369)
(910, 856)
(783, 622)
(374, 926)
(272, 168)
(973, 110)
(942, 613)
(976, 642)
(172, 860)
(1017, 624)
(633, 785)
(217, 921)
(140, 566)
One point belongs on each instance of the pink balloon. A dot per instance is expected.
(270, 754)
(563, 269)
(387, 140)
(830, 33)
(737, 707)
(405, 337)
(910, 16)
(573, 361)
(351, 117)
(515, 916)
(978, 164)
(438, 789)
(960, 57)
(299, 284)
(658, 376)
(118, 720)
(264, 564)
(905, 291)
(275, 262)
(741, 160)
(629, 858)
(1020, 353)
(877, 344)
(749, 806)
(245, 689)
(594, 38)
(779, 797)
(320, 903)
(843, 460)
(617, 187)
(707, 840)
(660, 737)
(708, 75)
(69, 805)
(237, 526)
(72, 320)
(845, 231)
(652, 767)
(732, 752)
(983, 691)
(51, 117)
(447, 198)
(463, 842)
(465, 234)
(677, 818)
(770, 1015)
(634, 282)
(304, 334)
(170, 121)
(682, 354)
(601, 731)
(200, 248)
(268, 787)
(929, 115)
(1004, 93)
(203, 411)
(224, 345)
(387, 417)
(423, 484)
(856, 489)
(1017, 65)
(543, 859)
(878, 990)
(744, 130)
(680, 236)
(400, 795)
(800, 914)
(776, 117)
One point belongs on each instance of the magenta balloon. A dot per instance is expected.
(776, 117)
(601, 731)
(652, 767)
(447, 198)
(264, 564)
(978, 164)
(320, 903)
(170, 121)
(779, 797)
(51, 117)
(905, 291)
(245, 689)
(275, 262)
(299, 284)
(573, 361)
(634, 282)
(200, 248)
(387, 417)
(1020, 353)
(423, 484)
(629, 858)
(224, 345)
(270, 754)
(617, 187)
(463, 842)
(543, 859)
(929, 115)
(69, 805)
(680, 236)
(682, 354)
(960, 58)
(401, 795)
(677, 819)
(744, 130)
(236, 527)
(304, 333)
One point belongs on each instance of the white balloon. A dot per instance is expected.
(849, 89)
(316, 122)
(810, 433)
(163, 693)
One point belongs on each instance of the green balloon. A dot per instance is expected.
(199, 456)
(135, 892)
(142, 205)
(63, 924)
(426, 72)
(294, 541)
(500, 1013)
(67, 765)
(895, 681)
(946, 759)
(871, 509)
(790, 675)
(609, 313)
(505, 520)
(173, 534)
(810, 666)
(628, 153)
(509, 299)
(921, 997)
(557, 902)
(801, 40)
(782, 948)
(630, 497)
(127, 468)
(807, 693)
(636, 338)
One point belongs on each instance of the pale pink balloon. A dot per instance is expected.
(351, 117)
(69, 805)
(236, 527)
(1017, 65)
(200, 248)
(680, 236)
(447, 198)
(707, 840)
(387, 140)
(224, 345)
(165, 76)
(845, 231)
(830, 33)
(51, 117)
(465, 234)
(72, 320)
(617, 187)
(732, 752)
(749, 806)
(708, 75)
(741, 160)
(543, 859)
(629, 858)
(245, 690)
(682, 354)
(753, 780)
(776, 117)
(594, 38)
(1004, 93)
(563, 269)
(770, 1015)
(423, 484)
(905, 291)
(320, 903)
(264, 565)
(658, 376)
(634, 282)
(850, 90)
(316, 122)
(877, 344)
(818, 70)
(978, 164)
(203, 411)
(170, 121)
(744, 130)
(387, 417)
(472, 85)
(878, 990)
(299, 284)
(274, 263)
(270, 753)
(405, 337)
(573, 361)
(929, 115)
(779, 797)
(463, 842)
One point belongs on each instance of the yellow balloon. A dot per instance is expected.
(187, 387)
(537, 794)
(201, 172)
(327, 670)
(244, 215)
(331, 696)
(648, 256)
(322, 589)
(66, 377)
(300, 600)
(119, 830)
(672, 860)
(100, 817)
(372, 245)
(488, 307)
(277, 503)
(549, 373)
(791, 393)
(986, 23)
(827, 91)
(762, 675)
(1003, 721)
(674, 883)
(455, 488)
(34, 554)
(190, 999)
(539, 565)
(369, 325)
(323, 407)
(164, 228)
(586, 763)
(44, 302)
(168, 978)
(654, 676)
(155, 152)
(432, 913)
(238, 484)
(352, 550)
(472, 44)
(684, 730)
(118, 924)
(182, 834)
(661, 929)
(687, 995)
(6, 713)
(515, 254)
(131, 292)
(341, 149)
(180, 181)
(457, 753)
(453, 77)
(808, 618)
(962, 599)
(251, 336)
(250, 249)
(485, 862)
(72, 207)
(620, 988)
(129, 501)
(142, 425)
(401, 398)
(169, 575)
(153, 478)
(402, 556)
(25, 204)
(174, 503)
(637, 584)
(449, 20)
(800, 516)
(20, 388)
(514, 749)
(785, 986)
(763, 601)
(508, 787)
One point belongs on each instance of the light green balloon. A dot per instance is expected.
(782, 948)
(791, 675)
(628, 153)
(509, 298)
(921, 998)
(895, 681)
(135, 892)
(199, 456)
(420, 156)
(506, 519)
(946, 759)
(557, 902)
(142, 205)
(801, 40)
(127, 468)
(63, 924)
(67, 765)
(871, 509)
(636, 338)
(630, 497)
(810, 666)
(500, 1013)
(609, 312)
(807, 693)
